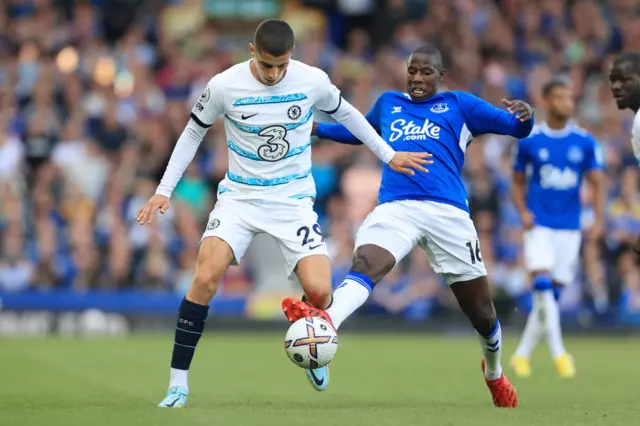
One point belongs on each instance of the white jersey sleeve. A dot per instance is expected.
(206, 110)
(210, 105)
(330, 101)
(635, 137)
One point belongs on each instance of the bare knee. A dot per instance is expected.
(314, 273)
(373, 261)
(213, 260)
(475, 301)
(484, 320)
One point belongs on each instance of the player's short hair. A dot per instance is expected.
(632, 58)
(431, 50)
(553, 84)
(274, 37)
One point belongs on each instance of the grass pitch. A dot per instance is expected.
(246, 379)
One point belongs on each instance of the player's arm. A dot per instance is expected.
(484, 118)
(330, 101)
(338, 132)
(519, 185)
(206, 110)
(593, 165)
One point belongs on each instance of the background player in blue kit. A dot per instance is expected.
(428, 209)
(548, 168)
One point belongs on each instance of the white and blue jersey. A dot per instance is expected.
(268, 129)
(555, 162)
(443, 125)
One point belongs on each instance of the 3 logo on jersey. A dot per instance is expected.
(411, 131)
(276, 146)
(552, 177)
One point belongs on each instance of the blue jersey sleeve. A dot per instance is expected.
(481, 118)
(520, 156)
(593, 155)
(338, 133)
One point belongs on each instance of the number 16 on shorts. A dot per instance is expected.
(474, 251)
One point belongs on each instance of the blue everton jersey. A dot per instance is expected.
(555, 161)
(442, 125)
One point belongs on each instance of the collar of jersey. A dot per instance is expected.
(555, 133)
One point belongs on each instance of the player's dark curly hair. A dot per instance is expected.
(274, 37)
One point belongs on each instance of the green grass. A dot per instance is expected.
(247, 380)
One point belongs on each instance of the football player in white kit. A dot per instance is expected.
(624, 80)
(266, 104)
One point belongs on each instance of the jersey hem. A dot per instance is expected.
(462, 207)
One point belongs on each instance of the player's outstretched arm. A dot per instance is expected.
(335, 132)
(484, 118)
(355, 123)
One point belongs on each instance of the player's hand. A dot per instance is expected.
(148, 211)
(313, 129)
(595, 231)
(522, 110)
(528, 220)
(405, 162)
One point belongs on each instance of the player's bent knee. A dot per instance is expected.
(374, 262)
(319, 297)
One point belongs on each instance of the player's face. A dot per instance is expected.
(625, 85)
(560, 102)
(424, 74)
(269, 69)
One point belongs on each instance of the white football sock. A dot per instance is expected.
(349, 296)
(534, 329)
(551, 320)
(492, 348)
(178, 378)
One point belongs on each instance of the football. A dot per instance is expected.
(311, 342)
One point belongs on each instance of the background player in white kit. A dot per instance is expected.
(548, 169)
(624, 79)
(267, 108)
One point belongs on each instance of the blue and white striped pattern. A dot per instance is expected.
(250, 155)
(275, 99)
(258, 129)
(267, 182)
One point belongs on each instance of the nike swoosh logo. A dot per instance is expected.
(246, 117)
(318, 382)
(173, 403)
(314, 247)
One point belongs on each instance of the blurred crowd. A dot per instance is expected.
(94, 94)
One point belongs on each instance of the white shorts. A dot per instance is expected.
(553, 250)
(294, 227)
(445, 232)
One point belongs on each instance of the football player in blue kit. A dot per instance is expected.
(548, 169)
(427, 209)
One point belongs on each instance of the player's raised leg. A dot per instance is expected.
(314, 273)
(305, 252)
